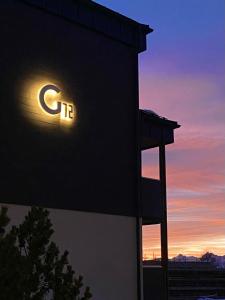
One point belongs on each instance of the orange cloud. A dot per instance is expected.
(195, 163)
(188, 238)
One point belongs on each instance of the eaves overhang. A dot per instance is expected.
(98, 18)
(155, 130)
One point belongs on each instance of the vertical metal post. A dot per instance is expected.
(139, 262)
(140, 293)
(164, 234)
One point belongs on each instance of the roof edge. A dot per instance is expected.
(160, 120)
(97, 18)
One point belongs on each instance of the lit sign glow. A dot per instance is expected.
(46, 102)
(65, 109)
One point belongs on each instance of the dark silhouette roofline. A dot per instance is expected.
(115, 14)
(153, 117)
(98, 18)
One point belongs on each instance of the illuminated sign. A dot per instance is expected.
(64, 109)
(48, 102)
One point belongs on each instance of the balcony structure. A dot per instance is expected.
(157, 132)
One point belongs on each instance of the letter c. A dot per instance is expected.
(43, 104)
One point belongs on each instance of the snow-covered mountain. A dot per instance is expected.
(183, 258)
(216, 260)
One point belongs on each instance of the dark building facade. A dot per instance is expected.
(72, 134)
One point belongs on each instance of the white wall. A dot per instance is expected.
(101, 247)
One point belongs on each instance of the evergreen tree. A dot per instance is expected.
(31, 267)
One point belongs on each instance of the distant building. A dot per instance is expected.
(72, 135)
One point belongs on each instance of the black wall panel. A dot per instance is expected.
(92, 166)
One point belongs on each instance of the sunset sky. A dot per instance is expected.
(182, 77)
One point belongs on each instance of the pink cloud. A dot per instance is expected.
(192, 163)
(197, 103)
(195, 163)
